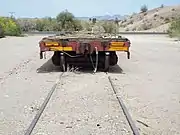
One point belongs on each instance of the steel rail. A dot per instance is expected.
(125, 111)
(43, 106)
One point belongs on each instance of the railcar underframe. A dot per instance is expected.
(87, 52)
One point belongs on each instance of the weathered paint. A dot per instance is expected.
(80, 47)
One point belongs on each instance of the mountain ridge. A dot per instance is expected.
(104, 17)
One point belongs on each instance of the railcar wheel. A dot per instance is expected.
(56, 58)
(106, 62)
(113, 58)
(63, 64)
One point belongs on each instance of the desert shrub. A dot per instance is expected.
(77, 25)
(125, 20)
(98, 29)
(145, 14)
(174, 29)
(155, 15)
(47, 24)
(26, 24)
(131, 22)
(134, 29)
(162, 17)
(127, 29)
(40, 25)
(145, 26)
(87, 25)
(122, 25)
(51, 25)
(10, 27)
(109, 27)
(167, 20)
(144, 8)
(172, 17)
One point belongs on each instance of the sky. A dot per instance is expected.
(80, 8)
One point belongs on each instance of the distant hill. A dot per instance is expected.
(105, 17)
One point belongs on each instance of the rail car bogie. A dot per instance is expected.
(105, 59)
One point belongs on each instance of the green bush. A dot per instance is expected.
(1, 32)
(10, 27)
(174, 29)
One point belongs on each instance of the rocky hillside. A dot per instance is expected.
(152, 20)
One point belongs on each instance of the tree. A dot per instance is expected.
(144, 8)
(65, 19)
(162, 5)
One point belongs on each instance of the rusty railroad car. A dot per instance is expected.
(89, 50)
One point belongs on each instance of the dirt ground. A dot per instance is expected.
(148, 83)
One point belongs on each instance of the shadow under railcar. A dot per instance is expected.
(48, 67)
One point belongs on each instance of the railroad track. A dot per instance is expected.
(126, 113)
(47, 99)
(43, 106)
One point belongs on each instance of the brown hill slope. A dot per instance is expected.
(153, 20)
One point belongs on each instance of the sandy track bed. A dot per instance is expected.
(83, 104)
